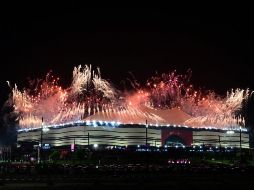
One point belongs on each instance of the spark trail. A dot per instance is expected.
(92, 97)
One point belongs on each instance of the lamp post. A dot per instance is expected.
(40, 143)
(146, 133)
(240, 143)
(88, 138)
(219, 143)
(84, 134)
(41, 135)
(40, 148)
(74, 143)
(221, 156)
(88, 143)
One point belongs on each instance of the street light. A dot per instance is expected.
(240, 143)
(219, 143)
(40, 143)
(88, 137)
(40, 147)
(146, 133)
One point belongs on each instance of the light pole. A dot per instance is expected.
(240, 143)
(84, 134)
(40, 143)
(41, 137)
(74, 144)
(88, 143)
(146, 133)
(221, 156)
(219, 143)
(40, 149)
(88, 138)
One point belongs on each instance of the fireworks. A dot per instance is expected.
(168, 98)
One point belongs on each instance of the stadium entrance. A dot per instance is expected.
(174, 140)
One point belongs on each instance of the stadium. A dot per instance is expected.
(167, 110)
(95, 130)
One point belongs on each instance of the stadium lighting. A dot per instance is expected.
(94, 124)
(45, 129)
(230, 132)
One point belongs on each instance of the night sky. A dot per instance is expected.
(216, 44)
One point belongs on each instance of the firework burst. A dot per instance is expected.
(90, 96)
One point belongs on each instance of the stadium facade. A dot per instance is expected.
(113, 134)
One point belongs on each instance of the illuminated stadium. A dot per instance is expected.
(167, 110)
(110, 133)
(98, 132)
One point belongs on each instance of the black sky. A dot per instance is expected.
(216, 44)
(214, 40)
